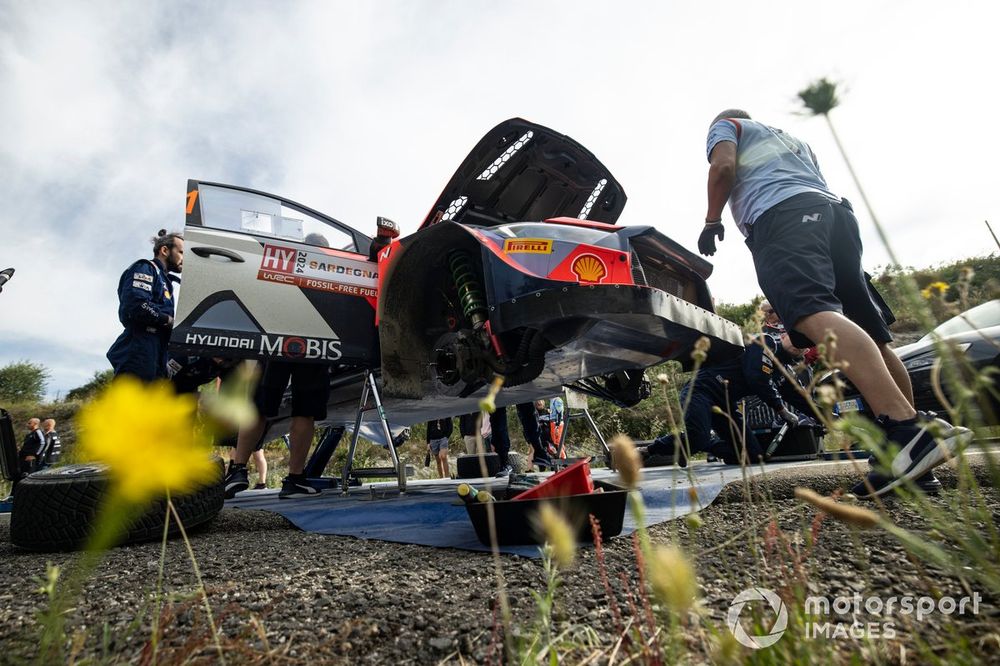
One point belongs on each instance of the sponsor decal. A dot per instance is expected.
(589, 268)
(145, 277)
(142, 285)
(299, 347)
(527, 246)
(319, 271)
(278, 346)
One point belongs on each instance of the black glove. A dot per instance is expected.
(788, 417)
(706, 241)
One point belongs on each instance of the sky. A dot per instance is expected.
(360, 109)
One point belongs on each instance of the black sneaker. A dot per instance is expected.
(919, 452)
(941, 427)
(236, 480)
(293, 487)
(664, 446)
(542, 462)
(927, 484)
(260, 486)
(506, 471)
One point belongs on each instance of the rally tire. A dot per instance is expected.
(55, 509)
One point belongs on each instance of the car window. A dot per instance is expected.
(248, 212)
(982, 316)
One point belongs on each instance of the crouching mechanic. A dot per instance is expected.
(146, 310)
(310, 392)
(723, 385)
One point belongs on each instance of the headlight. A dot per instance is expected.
(927, 359)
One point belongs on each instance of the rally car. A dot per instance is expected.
(519, 269)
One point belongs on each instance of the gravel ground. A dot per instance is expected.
(285, 596)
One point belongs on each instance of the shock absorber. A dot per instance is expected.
(470, 294)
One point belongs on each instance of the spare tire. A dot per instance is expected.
(55, 509)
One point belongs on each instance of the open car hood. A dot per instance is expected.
(521, 171)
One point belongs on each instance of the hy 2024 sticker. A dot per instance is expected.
(527, 246)
(318, 270)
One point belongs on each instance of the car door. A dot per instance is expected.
(265, 277)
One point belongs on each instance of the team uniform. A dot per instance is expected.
(804, 239)
(753, 373)
(53, 449)
(32, 446)
(145, 309)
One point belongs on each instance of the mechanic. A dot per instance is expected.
(32, 448)
(806, 248)
(723, 385)
(528, 417)
(146, 310)
(53, 446)
(310, 384)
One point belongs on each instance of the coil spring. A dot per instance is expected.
(470, 295)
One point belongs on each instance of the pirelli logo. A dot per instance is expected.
(527, 246)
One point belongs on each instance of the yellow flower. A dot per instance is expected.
(934, 289)
(489, 403)
(672, 578)
(146, 436)
(558, 534)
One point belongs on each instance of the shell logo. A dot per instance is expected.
(589, 268)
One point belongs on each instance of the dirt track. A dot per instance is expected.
(332, 599)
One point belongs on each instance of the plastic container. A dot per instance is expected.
(574, 480)
(515, 520)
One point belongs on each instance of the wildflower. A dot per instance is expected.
(231, 405)
(132, 422)
(853, 515)
(934, 289)
(662, 378)
(672, 578)
(489, 403)
(626, 459)
(826, 395)
(693, 495)
(558, 534)
(701, 347)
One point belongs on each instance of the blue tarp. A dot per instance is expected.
(431, 514)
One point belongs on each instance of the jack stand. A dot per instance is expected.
(398, 468)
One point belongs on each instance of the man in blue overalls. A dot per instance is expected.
(146, 310)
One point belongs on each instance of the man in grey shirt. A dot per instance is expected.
(807, 249)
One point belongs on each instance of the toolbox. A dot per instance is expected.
(516, 519)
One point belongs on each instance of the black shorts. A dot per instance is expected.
(310, 389)
(807, 252)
